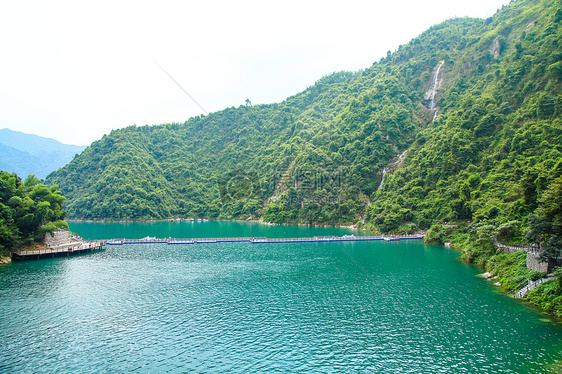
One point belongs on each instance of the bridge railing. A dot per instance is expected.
(150, 240)
(512, 248)
(65, 248)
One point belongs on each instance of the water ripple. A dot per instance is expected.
(235, 307)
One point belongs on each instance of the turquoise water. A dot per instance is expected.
(374, 307)
(209, 229)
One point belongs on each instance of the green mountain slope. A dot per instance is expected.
(497, 146)
(318, 157)
(177, 169)
(26, 154)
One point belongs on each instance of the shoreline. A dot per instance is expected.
(5, 260)
(489, 277)
(354, 227)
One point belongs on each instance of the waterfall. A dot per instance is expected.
(391, 167)
(435, 84)
(382, 180)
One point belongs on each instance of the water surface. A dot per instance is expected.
(209, 229)
(374, 307)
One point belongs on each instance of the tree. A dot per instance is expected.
(27, 210)
(545, 227)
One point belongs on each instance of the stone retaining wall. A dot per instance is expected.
(57, 238)
(534, 262)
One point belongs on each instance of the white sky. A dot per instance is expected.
(75, 70)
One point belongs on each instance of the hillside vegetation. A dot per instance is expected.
(495, 150)
(490, 157)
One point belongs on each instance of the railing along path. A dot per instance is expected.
(259, 240)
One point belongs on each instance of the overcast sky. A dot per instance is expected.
(75, 70)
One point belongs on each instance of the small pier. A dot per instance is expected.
(261, 240)
(64, 250)
(60, 243)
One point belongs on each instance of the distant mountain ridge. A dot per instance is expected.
(26, 154)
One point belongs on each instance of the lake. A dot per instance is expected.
(369, 307)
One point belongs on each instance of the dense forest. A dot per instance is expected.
(28, 210)
(493, 157)
(486, 147)
(309, 159)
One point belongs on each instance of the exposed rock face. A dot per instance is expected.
(496, 48)
(394, 164)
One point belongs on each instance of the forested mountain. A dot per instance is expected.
(26, 154)
(487, 144)
(497, 145)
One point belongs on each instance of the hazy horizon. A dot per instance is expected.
(75, 71)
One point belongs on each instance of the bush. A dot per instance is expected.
(536, 275)
(511, 269)
(438, 234)
(485, 236)
(548, 297)
(509, 232)
(50, 228)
